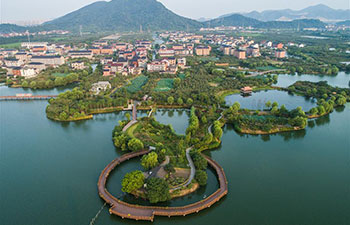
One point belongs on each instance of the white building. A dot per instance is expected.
(100, 86)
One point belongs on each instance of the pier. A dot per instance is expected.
(26, 97)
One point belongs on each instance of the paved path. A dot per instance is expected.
(193, 169)
(134, 118)
(137, 212)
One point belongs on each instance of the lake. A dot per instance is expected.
(341, 80)
(49, 170)
(258, 99)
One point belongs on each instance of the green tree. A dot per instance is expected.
(314, 111)
(121, 141)
(135, 145)
(133, 181)
(189, 101)
(157, 190)
(268, 104)
(201, 177)
(25, 84)
(128, 116)
(180, 101)
(274, 104)
(204, 119)
(199, 161)
(149, 161)
(32, 84)
(170, 100)
(59, 81)
(341, 100)
(177, 82)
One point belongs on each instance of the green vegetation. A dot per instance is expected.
(96, 17)
(149, 161)
(137, 83)
(165, 84)
(157, 190)
(201, 177)
(272, 120)
(132, 181)
(75, 104)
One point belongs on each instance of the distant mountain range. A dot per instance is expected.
(321, 12)
(239, 20)
(151, 15)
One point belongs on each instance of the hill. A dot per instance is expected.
(6, 28)
(295, 24)
(232, 20)
(239, 20)
(123, 15)
(343, 23)
(321, 12)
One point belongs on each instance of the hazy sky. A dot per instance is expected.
(19, 10)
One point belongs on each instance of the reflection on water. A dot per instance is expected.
(341, 80)
(258, 100)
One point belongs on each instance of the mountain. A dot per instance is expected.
(239, 20)
(321, 12)
(123, 15)
(232, 20)
(6, 28)
(343, 23)
(203, 19)
(295, 24)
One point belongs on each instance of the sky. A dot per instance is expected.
(38, 10)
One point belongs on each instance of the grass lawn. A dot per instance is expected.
(165, 84)
(12, 45)
(266, 68)
(131, 130)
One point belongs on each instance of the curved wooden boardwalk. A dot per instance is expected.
(137, 212)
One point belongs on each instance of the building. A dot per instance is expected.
(280, 54)
(23, 56)
(157, 66)
(164, 52)
(38, 66)
(279, 46)
(203, 50)
(30, 45)
(181, 62)
(100, 86)
(80, 54)
(246, 90)
(13, 62)
(240, 54)
(78, 65)
(253, 51)
(28, 72)
(49, 60)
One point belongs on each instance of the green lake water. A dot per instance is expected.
(49, 170)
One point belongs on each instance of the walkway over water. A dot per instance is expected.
(134, 118)
(138, 212)
(33, 97)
